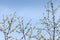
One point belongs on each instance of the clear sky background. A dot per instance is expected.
(29, 9)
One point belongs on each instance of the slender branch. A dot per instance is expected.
(53, 19)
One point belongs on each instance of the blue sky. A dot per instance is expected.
(29, 9)
(26, 8)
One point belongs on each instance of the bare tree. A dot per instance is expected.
(6, 26)
(51, 24)
(26, 30)
(12, 24)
